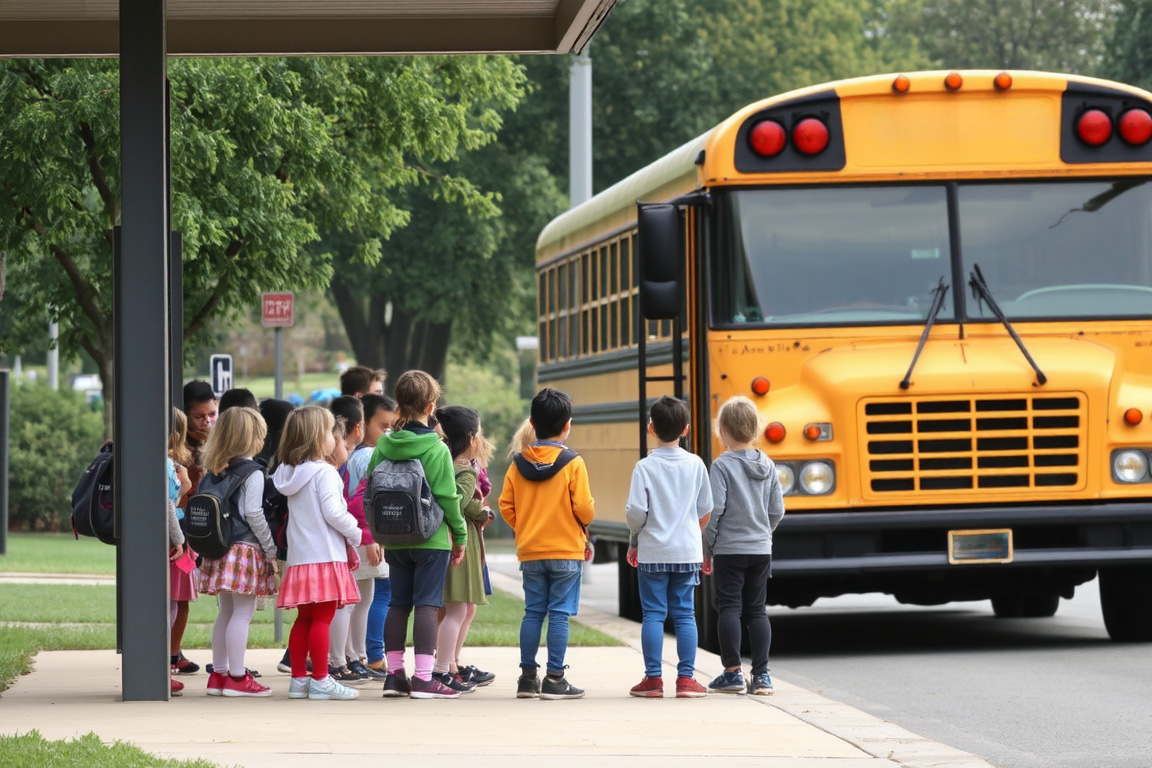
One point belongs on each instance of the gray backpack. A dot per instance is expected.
(399, 504)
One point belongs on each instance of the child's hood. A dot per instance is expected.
(540, 462)
(402, 444)
(756, 464)
(290, 479)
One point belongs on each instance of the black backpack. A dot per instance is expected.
(399, 504)
(92, 513)
(212, 516)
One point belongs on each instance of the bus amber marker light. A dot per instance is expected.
(1002, 81)
(1094, 127)
(760, 385)
(1135, 127)
(953, 81)
(901, 84)
(1133, 416)
(810, 136)
(775, 432)
(767, 138)
(818, 431)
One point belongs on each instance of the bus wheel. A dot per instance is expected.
(1126, 602)
(1034, 606)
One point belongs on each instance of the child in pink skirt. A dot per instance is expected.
(248, 570)
(182, 583)
(321, 532)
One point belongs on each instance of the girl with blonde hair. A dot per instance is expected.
(321, 533)
(248, 569)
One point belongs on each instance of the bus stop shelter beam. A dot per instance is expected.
(140, 391)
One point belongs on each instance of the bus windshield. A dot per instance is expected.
(873, 255)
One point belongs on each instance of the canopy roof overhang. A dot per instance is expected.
(42, 28)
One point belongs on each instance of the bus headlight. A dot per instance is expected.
(787, 477)
(1129, 466)
(817, 478)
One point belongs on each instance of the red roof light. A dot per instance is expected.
(810, 136)
(1135, 127)
(1094, 127)
(767, 138)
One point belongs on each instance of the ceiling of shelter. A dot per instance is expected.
(35, 28)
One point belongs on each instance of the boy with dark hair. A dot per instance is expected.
(238, 398)
(362, 380)
(548, 504)
(668, 504)
(202, 408)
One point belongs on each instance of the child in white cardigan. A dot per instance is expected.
(321, 534)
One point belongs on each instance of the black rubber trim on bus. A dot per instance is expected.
(1079, 98)
(824, 105)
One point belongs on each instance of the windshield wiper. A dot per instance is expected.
(933, 310)
(980, 290)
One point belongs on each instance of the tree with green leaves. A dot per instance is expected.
(1128, 56)
(1059, 35)
(267, 154)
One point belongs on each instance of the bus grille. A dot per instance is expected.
(989, 444)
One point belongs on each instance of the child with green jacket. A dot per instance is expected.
(417, 571)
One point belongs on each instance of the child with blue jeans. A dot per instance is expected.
(668, 503)
(547, 502)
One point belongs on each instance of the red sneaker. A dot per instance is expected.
(245, 686)
(177, 687)
(216, 684)
(688, 688)
(648, 688)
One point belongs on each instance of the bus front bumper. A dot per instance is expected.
(1080, 536)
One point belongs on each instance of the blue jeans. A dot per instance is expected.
(552, 589)
(664, 594)
(376, 614)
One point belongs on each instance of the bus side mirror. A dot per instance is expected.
(661, 249)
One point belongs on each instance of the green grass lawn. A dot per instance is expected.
(31, 750)
(57, 553)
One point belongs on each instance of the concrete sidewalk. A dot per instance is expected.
(70, 693)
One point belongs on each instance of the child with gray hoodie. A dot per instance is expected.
(748, 504)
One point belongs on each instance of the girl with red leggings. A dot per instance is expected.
(321, 533)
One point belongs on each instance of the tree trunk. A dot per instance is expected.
(105, 364)
(401, 345)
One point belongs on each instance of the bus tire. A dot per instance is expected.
(1028, 606)
(1126, 602)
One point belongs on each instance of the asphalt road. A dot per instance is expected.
(1021, 693)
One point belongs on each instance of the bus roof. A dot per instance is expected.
(678, 172)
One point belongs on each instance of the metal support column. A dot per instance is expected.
(140, 405)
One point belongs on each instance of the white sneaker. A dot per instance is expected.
(298, 688)
(330, 689)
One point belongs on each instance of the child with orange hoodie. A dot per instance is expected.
(547, 502)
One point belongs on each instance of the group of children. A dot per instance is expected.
(682, 521)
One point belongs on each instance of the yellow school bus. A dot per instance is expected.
(937, 286)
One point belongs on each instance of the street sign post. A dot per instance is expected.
(221, 369)
(276, 311)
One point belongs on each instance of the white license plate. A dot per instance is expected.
(983, 546)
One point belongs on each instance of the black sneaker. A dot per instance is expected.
(528, 686)
(559, 688)
(346, 676)
(366, 673)
(396, 685)
(477, 677)
(452, 681)
(183, 666)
